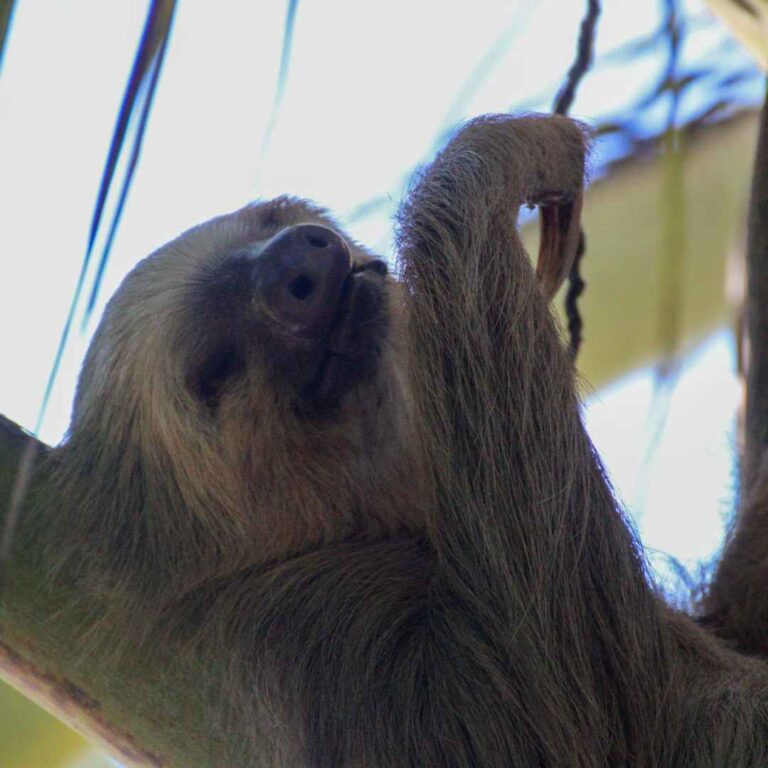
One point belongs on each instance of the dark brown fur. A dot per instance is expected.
(435, 574)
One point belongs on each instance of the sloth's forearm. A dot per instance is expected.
(500, 417)
(526, 525)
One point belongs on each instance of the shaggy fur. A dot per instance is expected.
(433, 573)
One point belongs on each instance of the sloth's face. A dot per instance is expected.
(272, 299)
(254, 367)
(303, 306)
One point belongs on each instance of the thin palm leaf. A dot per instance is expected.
(135, 106)
(6, 14)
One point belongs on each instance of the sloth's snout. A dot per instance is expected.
(300, 276)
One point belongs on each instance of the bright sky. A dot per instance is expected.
(679, 488)
(372, 89)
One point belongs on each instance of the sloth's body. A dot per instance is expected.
(385, 504)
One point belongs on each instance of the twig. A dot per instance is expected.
(576, 287)
(582, 62)
(561, 106)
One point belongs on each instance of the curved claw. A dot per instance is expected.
(560, 224)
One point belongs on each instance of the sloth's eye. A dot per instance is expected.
(208, 380)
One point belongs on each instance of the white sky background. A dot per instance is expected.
(372, 88)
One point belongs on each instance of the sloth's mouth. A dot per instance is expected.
(354, 340)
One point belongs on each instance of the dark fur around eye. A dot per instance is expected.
(208, 380)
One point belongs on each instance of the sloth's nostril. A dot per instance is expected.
(316, 241)
(301, 287)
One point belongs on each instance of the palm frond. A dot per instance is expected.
(282, 74)
(6, 14)
(134, 110)
(136, 104)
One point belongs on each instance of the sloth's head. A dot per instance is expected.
(246, 384)
(271, 304)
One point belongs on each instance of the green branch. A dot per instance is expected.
(144, 705)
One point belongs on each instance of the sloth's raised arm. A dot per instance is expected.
(526, 528)
(495, 388)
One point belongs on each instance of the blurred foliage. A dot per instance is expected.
(626, 307)
(748, 19)
(31, 738)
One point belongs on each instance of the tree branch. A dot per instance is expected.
(48, 638)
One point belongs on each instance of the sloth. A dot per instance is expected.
(377, 493)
